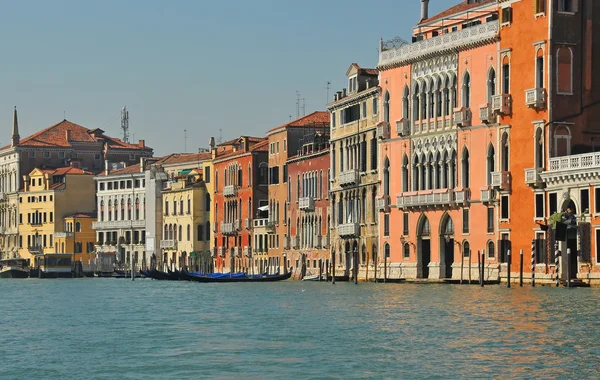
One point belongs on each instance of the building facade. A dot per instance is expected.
(307, 235)
(78, 238)
(353, 176)
(240, 185)
(283, 140)
(48, 196)
(442, 146)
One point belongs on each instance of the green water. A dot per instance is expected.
(119, 329)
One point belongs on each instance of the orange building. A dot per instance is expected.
(441, 146)
(284, 141)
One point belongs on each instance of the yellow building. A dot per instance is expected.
(186, 222)
(78, 237)
(48, 196)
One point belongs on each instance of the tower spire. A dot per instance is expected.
(16, 139)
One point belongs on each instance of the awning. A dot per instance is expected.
(193, 254)
(264, 208)
(185, 172)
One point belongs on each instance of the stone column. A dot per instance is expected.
(427, 171)
(450, 174)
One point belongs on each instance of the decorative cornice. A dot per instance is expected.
(353, 99)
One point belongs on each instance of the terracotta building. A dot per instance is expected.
(307, 235)
(441, 145)
(354, 175)
(240, 185)
(284, 140)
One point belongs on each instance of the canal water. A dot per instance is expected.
(119, 329)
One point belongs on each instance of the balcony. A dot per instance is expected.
(383, 130)
(36, 224)
(237, 252)
(295, 242)
(230, 191)
(261, 222)
(486, 114)
(535, 98)
(462, 117)
(579, 168)
(325, 242)
(306, 204)
(349, 177)
(119, 224)
(317, 240)
(403, 127)
(383, 203)
(168, 244)
(228, 228)
(237, 225)
(286, 242)
(63, 235)
(425, 198)
(502, 104)
(461, 197)
(349, 229)
(271, 226)
(501, 180)
(398, 52)
(247, 223)
(248, 251)
(35, 249)
(487, 194)
(221, 252)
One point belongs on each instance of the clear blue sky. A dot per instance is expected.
(195, 65)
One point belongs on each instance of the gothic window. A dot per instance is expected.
(491, 163)
(405, 173)
(539, 148)
(539, 69)
(386, 177)
(491, 84)
(386, 107)
(466, 90)
(465, 169)
(505, 152)
(506, 76)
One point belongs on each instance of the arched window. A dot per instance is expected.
(465, 169)
(166, 232)
(77, 227)
(386, 177)
(199, 232)
(466, 90)
(491, 163)
(189, 206)
(405, 173)
(539, 69)
(564, 74)
(374, 205)
(539, 148)
(415, 171)
(263, 169)
(249, 175)
(386, 107)
(387, 250)
(180, 232)
(137, 208)
(216, 181)
(406, 251)
(416, 101)
(505, 152)
(490, 250)
(491, 84)
(405, 98)
(129, 209)
(506, 76)
(562, 141)
(101, 211)
(466, 249)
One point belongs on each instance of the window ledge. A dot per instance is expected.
(567, 13)
(504, 24)
(538, 15)
(564, 93)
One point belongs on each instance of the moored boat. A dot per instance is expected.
(245, 278)
(14, 268)
(53, 265)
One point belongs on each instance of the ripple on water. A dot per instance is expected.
(107, 328)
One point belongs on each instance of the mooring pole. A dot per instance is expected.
(469, 266)
(508, 269)
(320, 269)
(479, 266)
(533, 263)
(556, 263)
(482, 267)
(568, 267)
(333, 269)
(521, 268)
(384, 266)
(462, 265)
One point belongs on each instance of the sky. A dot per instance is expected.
(213, 68)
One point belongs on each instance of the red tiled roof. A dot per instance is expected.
(56, 136)
(251, 139)
(320, 118)
(133, 169)
(262, 146)
(179, 158)
(458, 8)
(66, 170)
(364, 70)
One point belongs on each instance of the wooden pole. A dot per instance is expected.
(482, 267)
(521, 268)
(333, 269)
(469, 266)
(508, 269)
(355, 266)
(479, 266)
(533, 263)
(568, 267)
(462, 265)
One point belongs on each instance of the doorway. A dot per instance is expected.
(424, 247)
(447, 245)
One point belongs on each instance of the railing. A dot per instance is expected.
(348, 177)
(230, 191)
(486, 114)
(227, 228)
(449, 42)
(501, 180)
(461, 197)
(261, 222)
(383, 203)
(462, 117)
(532, 176)
(535, 97)
(349, 229)
(118, 224)
(575, 162)
(295, 242)
(237, 225)
(425, 198)
(63, 235)
(35, 224)
(403, 127)
(487, 194)
(502, 103)
(168, 244)
(35, 249)
(306, 204)
(383, 130)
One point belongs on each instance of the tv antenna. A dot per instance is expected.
(185, 141)
(125, 124)
(328, 86)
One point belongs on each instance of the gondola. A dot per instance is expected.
(257, 278)
(158, 275)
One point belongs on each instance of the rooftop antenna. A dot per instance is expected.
(303, 107)
(297, 104)
(185, 141)
(290, 116)
(64, 115)
(125, 124)
(328, 86)
(220, 135)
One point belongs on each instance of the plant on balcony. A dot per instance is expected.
(554, 218)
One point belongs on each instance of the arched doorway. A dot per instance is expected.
(348, 258)
(446, 245)
(423, 247)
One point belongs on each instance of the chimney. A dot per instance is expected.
(368, 83)
(339, 95)
(15, 132)
(142, 162)
(211, 143)
(335, 98)
(343, 92)
(142, 143)
(424, 9)
(68, 135)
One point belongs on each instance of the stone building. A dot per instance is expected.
(353, 176)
